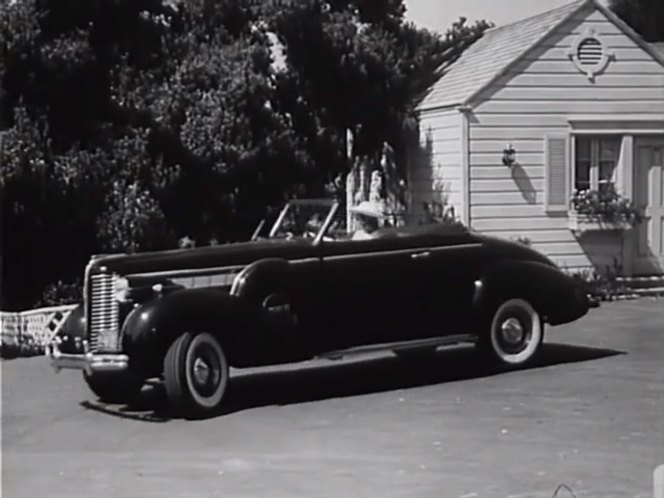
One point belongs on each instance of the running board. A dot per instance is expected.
(449, 340)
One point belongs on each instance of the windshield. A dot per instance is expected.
(301, 219)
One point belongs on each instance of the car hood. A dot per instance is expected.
(233, 254)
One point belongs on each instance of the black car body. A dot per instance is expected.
(301, 292)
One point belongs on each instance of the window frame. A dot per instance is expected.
(627, 126)
(595, 159)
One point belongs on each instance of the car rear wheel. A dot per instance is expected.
(196, 374)
(515, 333)
(114, 387)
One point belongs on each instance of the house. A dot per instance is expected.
(535, 112)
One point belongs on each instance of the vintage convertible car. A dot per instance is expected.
(301, 288)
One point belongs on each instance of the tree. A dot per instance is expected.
(154, 115)
(361, 67)
(646, 17)
(167, 118)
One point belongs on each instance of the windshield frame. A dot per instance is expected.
(333, 207)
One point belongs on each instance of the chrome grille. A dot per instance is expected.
(103, 314)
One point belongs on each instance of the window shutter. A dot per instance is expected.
(557, 170)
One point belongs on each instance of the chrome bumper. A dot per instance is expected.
(88, 361)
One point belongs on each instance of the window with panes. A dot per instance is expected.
(595, 161)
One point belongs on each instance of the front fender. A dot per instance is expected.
(556, 296)
(150, 328)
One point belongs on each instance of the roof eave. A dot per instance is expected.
(446, 106)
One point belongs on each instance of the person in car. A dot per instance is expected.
(368, 216)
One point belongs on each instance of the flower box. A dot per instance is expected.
(580, 223)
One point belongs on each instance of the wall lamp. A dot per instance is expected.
(509, 155)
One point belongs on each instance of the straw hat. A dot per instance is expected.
(367, 208)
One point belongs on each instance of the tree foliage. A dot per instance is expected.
(646, 17)
(129, 124)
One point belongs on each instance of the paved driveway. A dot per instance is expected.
(590, 415)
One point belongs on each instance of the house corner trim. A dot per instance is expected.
(465, 165)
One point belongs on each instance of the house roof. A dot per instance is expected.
(501, 47)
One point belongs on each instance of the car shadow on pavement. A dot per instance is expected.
(337, 379)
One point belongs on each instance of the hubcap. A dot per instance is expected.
(201, 371)
(512, 331)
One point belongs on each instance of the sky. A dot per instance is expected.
(438, 15)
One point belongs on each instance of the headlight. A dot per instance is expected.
(122, 289)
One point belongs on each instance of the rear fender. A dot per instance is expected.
(547, 288)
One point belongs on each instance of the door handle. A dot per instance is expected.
(420, 255)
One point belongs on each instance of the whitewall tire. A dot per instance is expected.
(515, 333)
(196, 374)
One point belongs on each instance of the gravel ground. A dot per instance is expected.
(589, 415)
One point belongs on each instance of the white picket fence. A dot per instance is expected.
(32, 329)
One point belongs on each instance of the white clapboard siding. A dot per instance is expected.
(495, 158)
(557, 247)
(578, 80)
(525, 133)
(574, 94)
(537, 236)
(444, 134)
(506, 184)
(439, 177)
(618, 67)
(519, 223)
(502, 198)
(521, 145)
(445, 155)
(501, 211)
(612, 40)
(440, 120)
(497, 172)
(565, 108)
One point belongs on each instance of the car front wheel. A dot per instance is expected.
(196, 374)
(515, 333)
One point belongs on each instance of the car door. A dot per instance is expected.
(366, 286)
(444, 290)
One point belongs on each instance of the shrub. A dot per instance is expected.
(602, 287)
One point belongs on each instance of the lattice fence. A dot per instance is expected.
(26, 333)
